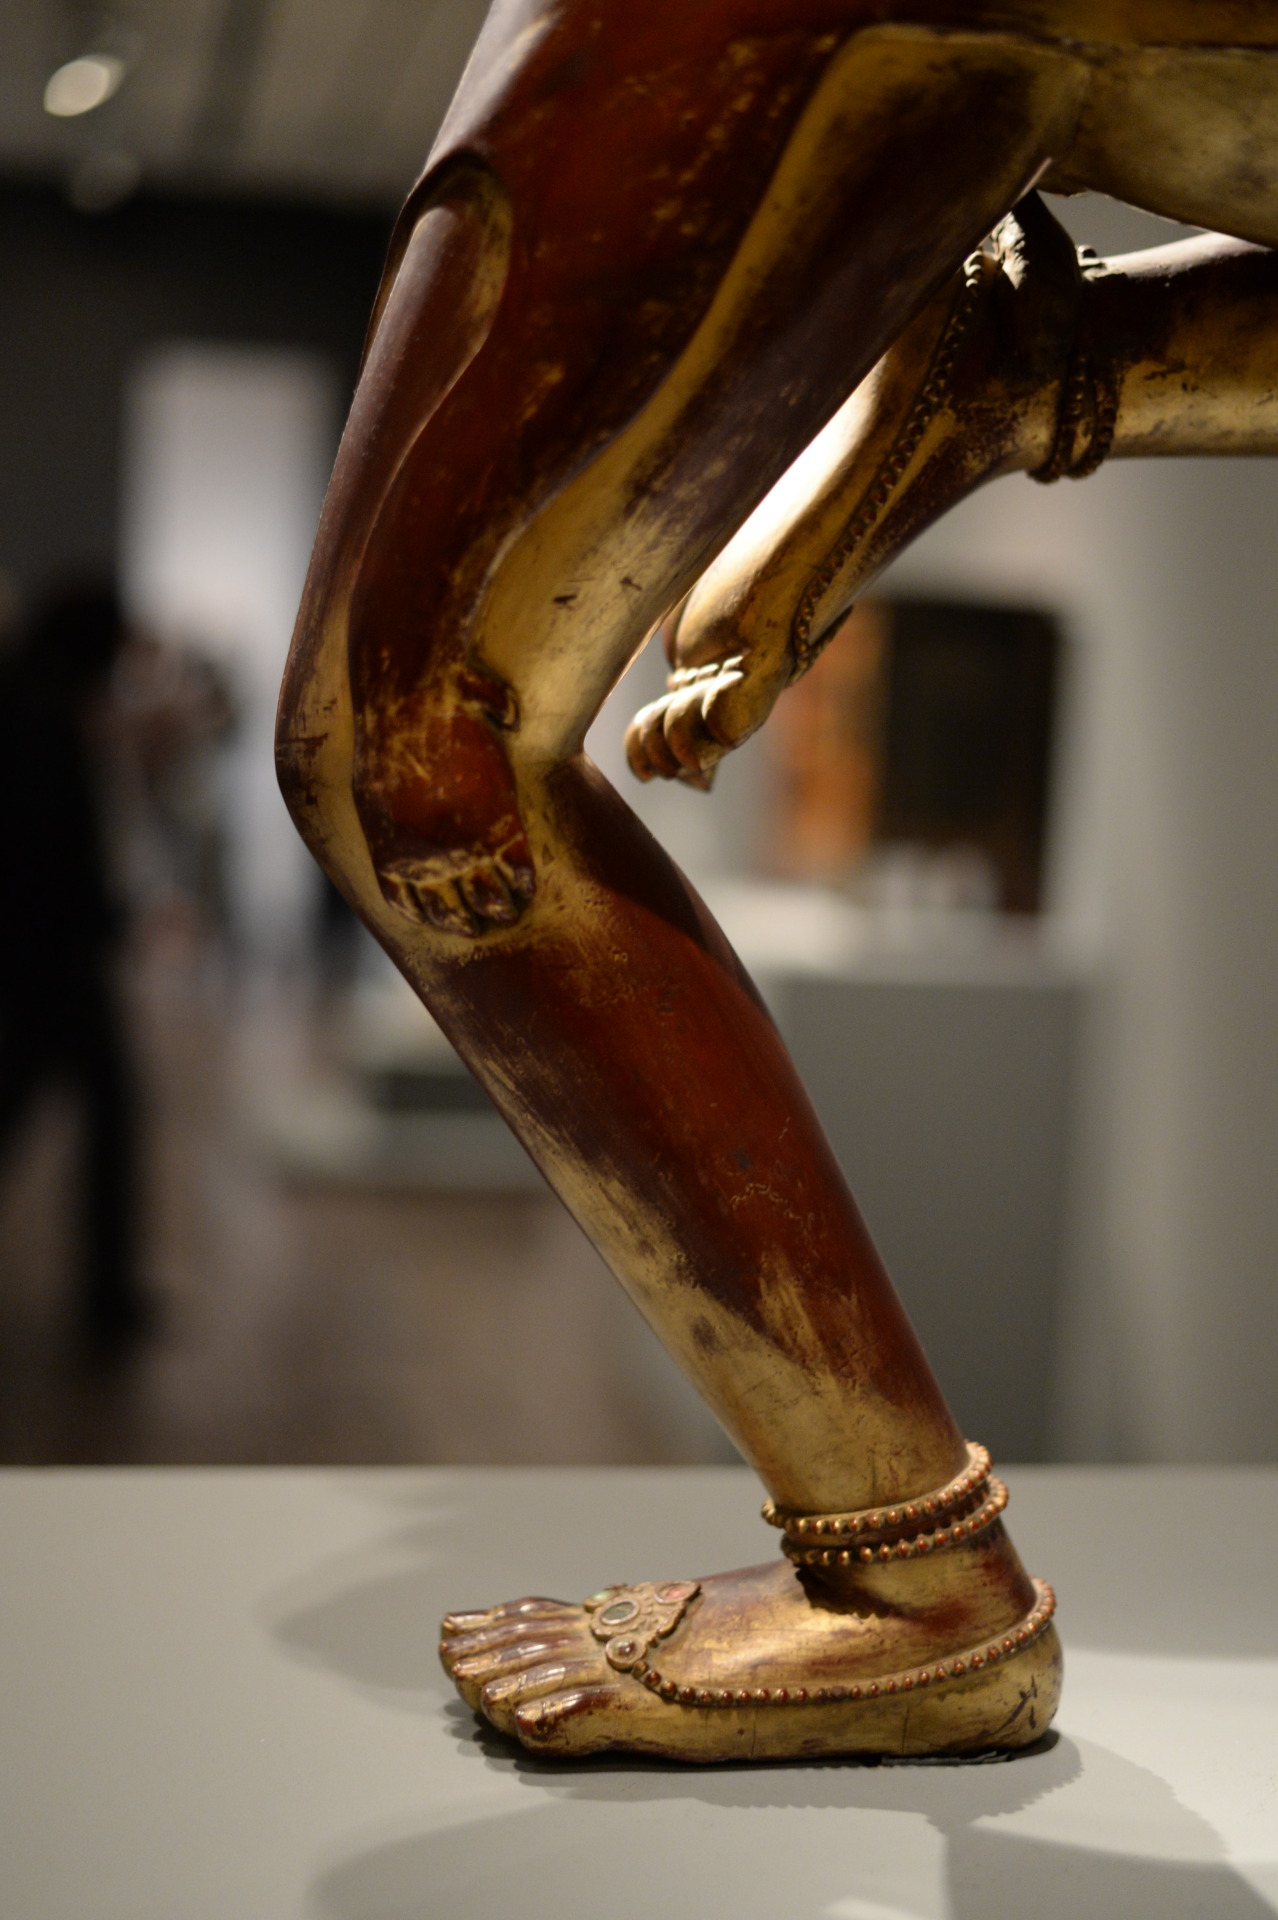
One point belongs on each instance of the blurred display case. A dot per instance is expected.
(939, 1046)
(913, 762)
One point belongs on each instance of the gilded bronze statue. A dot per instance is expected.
(697, 314)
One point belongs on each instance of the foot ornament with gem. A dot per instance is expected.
(908, 1630)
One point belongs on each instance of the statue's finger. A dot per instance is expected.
(444, 907)
(514, 862)
(489, 898)
(398, 893)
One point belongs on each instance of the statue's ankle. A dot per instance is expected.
(891, 1556)
(1070, 396)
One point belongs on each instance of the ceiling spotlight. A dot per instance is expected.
(83, 84)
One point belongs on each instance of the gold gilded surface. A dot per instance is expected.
(1028, 361)
(697, 317)
(774, 1661)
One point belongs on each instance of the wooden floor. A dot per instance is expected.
(315, 1324)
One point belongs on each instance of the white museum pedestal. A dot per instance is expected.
(221, 1701)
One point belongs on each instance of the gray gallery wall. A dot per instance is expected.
(83, 297)
(1166, 897)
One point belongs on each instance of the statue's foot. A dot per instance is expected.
(952, 1653)
(710, 706)
(989, 378)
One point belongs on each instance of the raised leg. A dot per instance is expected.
(490, 558)
(1033, 359)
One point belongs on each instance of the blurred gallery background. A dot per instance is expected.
(1005, 866)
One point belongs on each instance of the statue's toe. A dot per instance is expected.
(532, 1607)
(504, 1697)
(583, 1719)
(647, 749)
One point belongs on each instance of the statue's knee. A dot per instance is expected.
(437, 795)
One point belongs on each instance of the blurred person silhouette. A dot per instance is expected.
(61, 927)
(177, 711)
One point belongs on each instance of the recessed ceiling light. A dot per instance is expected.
(83, 84)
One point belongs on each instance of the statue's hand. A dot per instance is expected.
(718, 693)
(438, 802)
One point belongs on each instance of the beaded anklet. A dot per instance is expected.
(1087, 407)
(631, 1620)
(962, 1508)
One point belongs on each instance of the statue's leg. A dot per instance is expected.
(629, 1051)
(1183, 343)
(443, 787)
(1032, 360)
(619, 1035)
